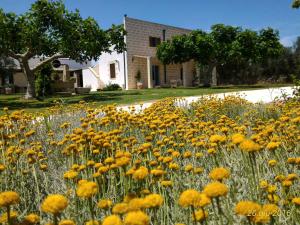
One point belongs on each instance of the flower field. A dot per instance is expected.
(214, 162)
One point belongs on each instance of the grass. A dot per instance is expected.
(16, 101)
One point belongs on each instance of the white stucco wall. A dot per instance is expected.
(90, 80)
(104, 68)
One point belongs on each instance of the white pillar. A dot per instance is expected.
(149, 72)
(214, 77)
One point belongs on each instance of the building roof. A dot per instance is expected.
(73, 65)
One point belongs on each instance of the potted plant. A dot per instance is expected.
(138, 78)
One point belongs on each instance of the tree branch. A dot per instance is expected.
(56, 56)
(28, 54)
(14, 55)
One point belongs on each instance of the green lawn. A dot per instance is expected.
(14, 102)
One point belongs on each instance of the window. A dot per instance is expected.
(112, 71)
(154, 41)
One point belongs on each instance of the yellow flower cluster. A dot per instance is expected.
(166, 164)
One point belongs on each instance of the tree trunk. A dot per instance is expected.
(30, 92)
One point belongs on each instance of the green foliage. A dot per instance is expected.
(296, 4)
(48, 29)
(112, 87)
(43, 81)
(222, 47)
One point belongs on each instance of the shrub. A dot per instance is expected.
(112, 87)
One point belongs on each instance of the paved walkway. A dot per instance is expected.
(255, 96)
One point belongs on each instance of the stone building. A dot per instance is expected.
(140, 58)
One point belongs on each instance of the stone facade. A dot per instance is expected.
(140, 53)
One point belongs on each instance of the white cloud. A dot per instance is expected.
(288, 41)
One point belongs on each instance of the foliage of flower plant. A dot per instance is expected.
(212, 162)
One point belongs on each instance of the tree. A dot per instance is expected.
(43, 80)
(50, 31)
(222, 46)
(211, 49)
(296, 4)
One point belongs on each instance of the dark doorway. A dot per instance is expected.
(155, 75)
(79, 78)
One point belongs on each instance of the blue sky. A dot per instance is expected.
(193, 14)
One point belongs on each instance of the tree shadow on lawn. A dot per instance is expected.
(18, 102)
(240, 86)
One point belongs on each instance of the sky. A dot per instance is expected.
(191, 14)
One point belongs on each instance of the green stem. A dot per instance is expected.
(91, 208)
(194, 215)
(55, 220)
(8, 215)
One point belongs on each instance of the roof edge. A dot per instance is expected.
(166, 25)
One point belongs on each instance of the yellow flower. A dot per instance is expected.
(247, 208)
(70, 174)
(104, 204)
(135, 204)
(188, 168)
(8, 198)
(217, 138)
(273, 145)
(273, 198)
(189, 198)
(153, 200)
(136, 218)
(54, 204)
(292, 176)
(166, 183)
(2, 167)
(271, 209)
(272, 162)
(296, 201)
(215, 189)
(32, 219)
(140, 173)
(112, 220)
(67, 222)
(157, 172)
(287, 183)
(4, 216)
(87, 189)
(120, 208)
(219, 174)
(200, 215)
(92, 222)
(263, 184)
(249, 146)
(237, 138)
